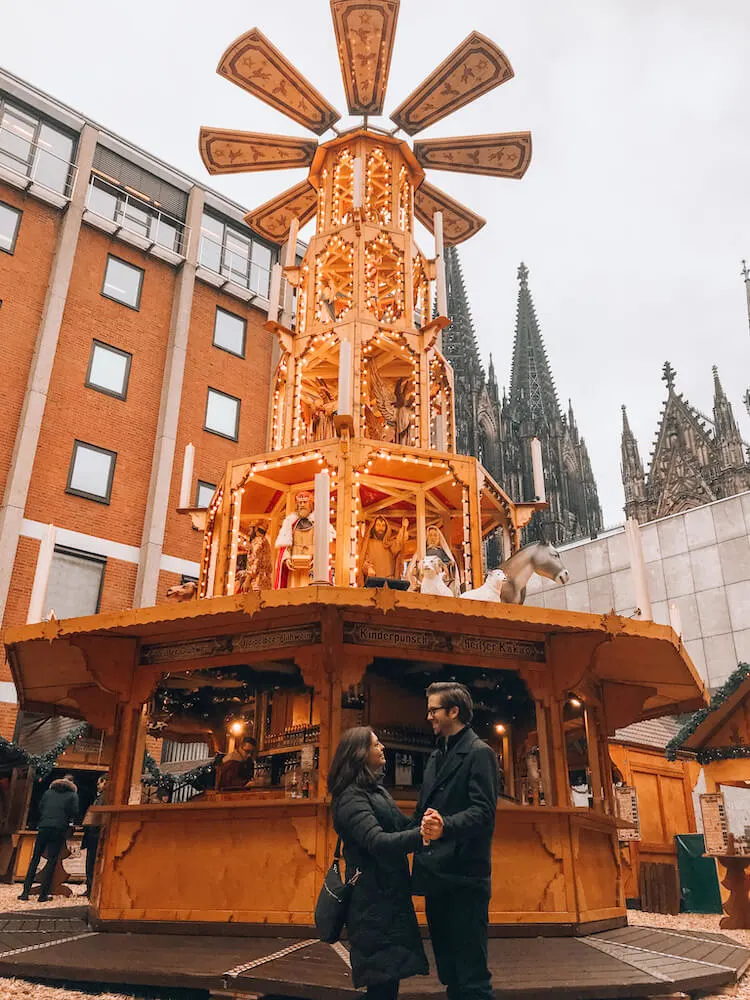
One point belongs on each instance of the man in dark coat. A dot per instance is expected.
(57, 810)
(456, 810)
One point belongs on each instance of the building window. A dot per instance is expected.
(222, 414)
(91, 472)
(75, 583)
(229, 332)
(204, 493)
(123, 282)
(134, 214)
(35, 149)
(10, 220)
(236, 254)
(109, 369)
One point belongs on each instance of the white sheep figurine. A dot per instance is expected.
(433, 580)
(491, 589)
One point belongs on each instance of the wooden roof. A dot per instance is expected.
(66, 666)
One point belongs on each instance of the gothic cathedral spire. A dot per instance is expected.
(532, 389)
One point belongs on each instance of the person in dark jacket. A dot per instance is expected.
(57, 810)
(91, 833)
(456, 808)
(386, 945)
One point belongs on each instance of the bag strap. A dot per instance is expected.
(337, 852)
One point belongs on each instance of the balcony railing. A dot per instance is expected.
(237, 267)
(154, 227)
(36, 162)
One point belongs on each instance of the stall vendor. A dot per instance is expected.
(237, 768)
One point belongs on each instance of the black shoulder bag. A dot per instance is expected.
(332, 907)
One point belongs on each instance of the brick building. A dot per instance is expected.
(132, 307)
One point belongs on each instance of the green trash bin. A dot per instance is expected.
(699, 884)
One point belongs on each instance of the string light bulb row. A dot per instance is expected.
(378, 188)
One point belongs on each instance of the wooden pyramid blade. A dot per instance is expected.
(459, 222)
(473, 69)
(364, 38)
(273, 219)
(254, 64)
(504, 155)
(226, 151)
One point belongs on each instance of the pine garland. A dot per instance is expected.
(728, 688)
(722, 753)
(45, 762)
(167, 784)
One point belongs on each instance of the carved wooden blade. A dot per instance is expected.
(473, 69)
(365, 30)
(459, 222)
(504, 155)
(226, 151)
(254, 64)
(273, 219)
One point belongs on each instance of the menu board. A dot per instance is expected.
(715, 825)
(626, 805)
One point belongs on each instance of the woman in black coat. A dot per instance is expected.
(384, 937)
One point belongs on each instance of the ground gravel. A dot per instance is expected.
(18, 989)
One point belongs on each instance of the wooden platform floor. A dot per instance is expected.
(628, 962)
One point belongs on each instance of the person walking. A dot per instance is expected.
(456, 813)
(384, 937)
(57, 810)
(92, 831)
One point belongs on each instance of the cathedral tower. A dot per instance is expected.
(695, 460)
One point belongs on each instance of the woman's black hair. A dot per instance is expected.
(349, 765)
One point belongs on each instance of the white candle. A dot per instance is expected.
(538, 470)
(357, 183)
(321, 531)
(41, 576)
(187, 476)
(290, 258)
(638, 568)
(441, 290)
(344, 405)
(274, 293)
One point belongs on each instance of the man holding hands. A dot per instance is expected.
(456, 811)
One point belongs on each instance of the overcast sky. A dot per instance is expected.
(632, 218)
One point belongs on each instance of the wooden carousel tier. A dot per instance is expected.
(85, 666)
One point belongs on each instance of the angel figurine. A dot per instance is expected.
(322, 411)
(393, 421)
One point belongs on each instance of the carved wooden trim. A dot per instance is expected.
(256, 65)
(229, 151)
(503, 155)
(273, 219)
(471, 70)
(459, 222)
(245, 642)
(365, 30)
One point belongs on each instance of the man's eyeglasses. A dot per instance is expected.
(434, 711)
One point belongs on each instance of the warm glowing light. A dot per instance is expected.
(237, 728)
(575, 702)
(500, 728)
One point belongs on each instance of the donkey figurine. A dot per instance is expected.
(539, 557)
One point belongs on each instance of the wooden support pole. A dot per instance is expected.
(592, 746)
(290, 257)
(544, 753)
(441, 286)
(274, 294)
(638, 568)
(186, 483)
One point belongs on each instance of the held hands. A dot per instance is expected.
(432, 826)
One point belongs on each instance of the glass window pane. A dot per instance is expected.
(212, 236)
(237, 258)
(102, 201)
(229, 332)
(260, 280)
(204, 493)
(91, 471)
(167, 234)
(134, 217)
(123, 282)
(9, 220)
(222, 413)
(262, 256)
(52, 167)
(16, 137)
(109, 369)
(74, 586)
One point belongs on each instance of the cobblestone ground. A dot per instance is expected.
(17, 989)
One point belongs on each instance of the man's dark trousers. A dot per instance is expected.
(52, 841)
(458, 922)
